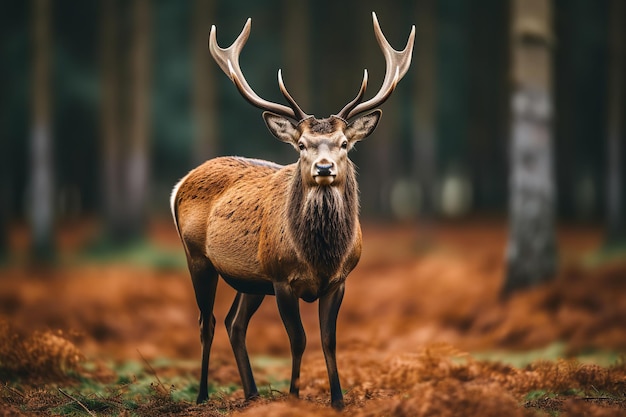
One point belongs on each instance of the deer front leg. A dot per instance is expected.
(244, 306)
(328, 309)
(289, 308)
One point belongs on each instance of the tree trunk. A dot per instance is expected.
(125, 118)
(297, 48)
(424, 125)
(453, 85)
(532, 251)
(6, 200)
(296, 52)
(6, 167)
(110, 120)
(5, 205)
(205, 143)
(615, 221)
(488, 94)
(137, 161)
(378, 155)
(41, 162)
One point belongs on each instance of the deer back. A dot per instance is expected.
(220, 207)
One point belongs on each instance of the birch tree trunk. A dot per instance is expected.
(616, 212)
(41, 161)
(531, 251)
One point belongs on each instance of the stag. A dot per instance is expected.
(290, 231)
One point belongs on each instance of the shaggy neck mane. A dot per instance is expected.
(322, 221)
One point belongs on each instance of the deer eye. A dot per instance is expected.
(344, 144)
(301, 146)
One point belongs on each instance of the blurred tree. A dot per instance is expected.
(110, 120)
(531, 251)
(125, 119)
(41, 198)
(296, 51)
(615, 222)
(5, 187)
(5, 165)
(297, 47)
(453, 106)
(380, 155)
(16, 75)
(137, 166)
(206, 118)
(424, 118)
(488, 97)
(580, 103)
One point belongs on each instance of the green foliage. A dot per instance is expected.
(605, 255)
(522, 358)
(135, 390)
(536, 394)
(139, 252)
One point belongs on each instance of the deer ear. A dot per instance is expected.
(363, 126)
(281, 127)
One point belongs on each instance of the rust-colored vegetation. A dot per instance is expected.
(422, 332)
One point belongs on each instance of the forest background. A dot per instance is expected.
(443, 145)
(105, 105)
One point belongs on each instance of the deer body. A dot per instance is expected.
(268, 227)
(290, 231)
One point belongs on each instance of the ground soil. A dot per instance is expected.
(419, 301)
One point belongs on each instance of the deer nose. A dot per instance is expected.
(324, 170)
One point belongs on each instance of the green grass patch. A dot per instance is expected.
(136, 389)
(169, 387)
(606, 254)
(552, 352)
(140, 252)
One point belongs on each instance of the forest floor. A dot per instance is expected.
(422, 331)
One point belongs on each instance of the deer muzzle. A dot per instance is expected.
(324, 173)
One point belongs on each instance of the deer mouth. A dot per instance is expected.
(324, 179)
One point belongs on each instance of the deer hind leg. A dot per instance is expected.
(328, 309)
(204, 279)
(289, 308)
(244, 306)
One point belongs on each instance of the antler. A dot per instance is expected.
(228, 60)
(397, 63)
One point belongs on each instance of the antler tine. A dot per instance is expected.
(343, 114)
(301, 115)
(228, 61)
(397, 64)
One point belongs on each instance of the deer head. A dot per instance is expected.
(323, 143)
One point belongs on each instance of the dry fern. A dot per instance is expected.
(41, 356)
